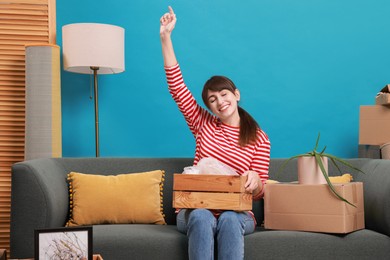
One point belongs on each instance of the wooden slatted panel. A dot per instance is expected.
(21, 22)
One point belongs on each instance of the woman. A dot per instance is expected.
(229, 135)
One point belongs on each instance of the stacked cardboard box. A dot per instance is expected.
(374, 125)
(383, 97)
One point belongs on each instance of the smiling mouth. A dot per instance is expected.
(223, 108)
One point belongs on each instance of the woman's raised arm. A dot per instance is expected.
(167, 24)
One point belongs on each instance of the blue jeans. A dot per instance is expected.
(202, 228)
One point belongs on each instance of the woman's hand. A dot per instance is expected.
(167, 23)
(253, 184)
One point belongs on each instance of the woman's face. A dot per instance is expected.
(223, 104)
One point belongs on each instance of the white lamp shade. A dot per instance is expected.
(88, 45)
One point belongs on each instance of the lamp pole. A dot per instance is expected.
(95, 82)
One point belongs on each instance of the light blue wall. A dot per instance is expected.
(303, 67)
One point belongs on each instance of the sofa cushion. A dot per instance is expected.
(139, 241)
(120, 199)
(280, 244)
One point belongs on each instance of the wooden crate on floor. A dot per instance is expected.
(224, 192)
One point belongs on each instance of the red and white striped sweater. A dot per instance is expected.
(214, 138)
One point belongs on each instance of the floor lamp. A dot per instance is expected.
(93, 48)
(43, 135)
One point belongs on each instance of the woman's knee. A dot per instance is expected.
(201, 216)
(229, 217)
(230, 220)
(202, 221)
(242, 222)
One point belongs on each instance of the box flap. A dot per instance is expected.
(386, 89)
(383, 97)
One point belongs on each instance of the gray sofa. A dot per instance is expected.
(40, 200)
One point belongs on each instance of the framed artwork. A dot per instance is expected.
(64, 243)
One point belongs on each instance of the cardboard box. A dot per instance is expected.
(223, 192)
(383, 97)
(374, 125)
(304, 207)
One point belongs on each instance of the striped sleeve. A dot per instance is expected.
(260, 162)
(192, 112)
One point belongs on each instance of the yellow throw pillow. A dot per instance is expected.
(345, 178)
(124, 198)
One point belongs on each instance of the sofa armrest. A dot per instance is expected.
(39, 199)
(376, 194)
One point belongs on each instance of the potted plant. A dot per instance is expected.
(313, 168)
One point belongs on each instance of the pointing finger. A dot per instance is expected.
(171, 10)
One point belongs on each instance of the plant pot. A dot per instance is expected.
(309, 171)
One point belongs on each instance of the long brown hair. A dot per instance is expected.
(248, 125)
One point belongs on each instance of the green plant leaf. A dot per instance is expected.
(318, 140)
(335, 164)
(343, 162)
(321, 165)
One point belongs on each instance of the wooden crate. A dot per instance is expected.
(224, 192)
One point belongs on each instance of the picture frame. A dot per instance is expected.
(63, 243)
